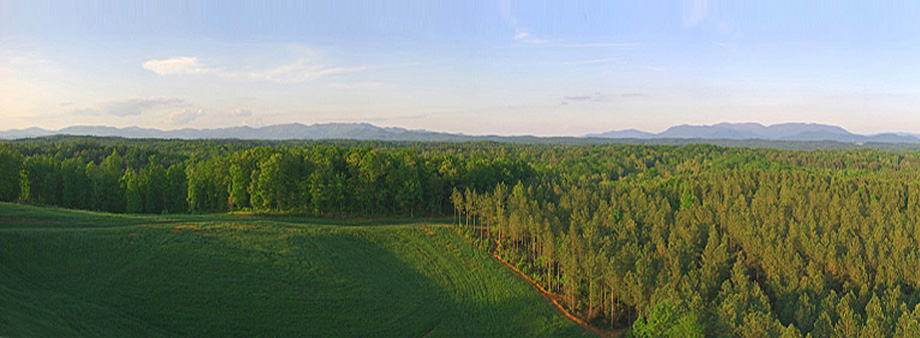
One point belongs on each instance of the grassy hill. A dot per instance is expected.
(70, 273)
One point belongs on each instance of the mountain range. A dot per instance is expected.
(757, 131)
(366, 131)
(293, 131)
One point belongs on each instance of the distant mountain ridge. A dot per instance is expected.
(756, 131)
(353, 131)
(367, 131)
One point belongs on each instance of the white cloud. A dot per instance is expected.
(131, 107)
(529, 39)
(185, 116)
(137, 106)
(180, 65)
(300, 70)
(86, 111)
(241, 112)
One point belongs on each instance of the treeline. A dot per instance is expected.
(670, 241)
(319, 180)
(107, 186)
(335, 180)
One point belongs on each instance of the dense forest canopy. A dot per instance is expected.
(671, 240)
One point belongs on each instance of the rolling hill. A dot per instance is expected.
(74, 273)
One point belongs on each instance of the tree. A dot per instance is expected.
(909, 323)
(10, 166)
(75, 186)
(107, 191)
(208, 186)
(239, 186)
(275, 187)
(242, 166)
(156, 183)
(666, 321)
(176, 189)
(134, 196)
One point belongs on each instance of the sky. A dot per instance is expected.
(546, 68)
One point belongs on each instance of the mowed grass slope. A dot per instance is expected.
(68, 273)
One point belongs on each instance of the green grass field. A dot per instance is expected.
(73, 273)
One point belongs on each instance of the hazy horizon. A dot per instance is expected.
(651, 132)
(494, 67)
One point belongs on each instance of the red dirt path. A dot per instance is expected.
(552, 297)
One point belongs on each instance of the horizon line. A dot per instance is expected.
(369, 123)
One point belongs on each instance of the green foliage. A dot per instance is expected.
(134, 197)
(664, 321)
(9, 175)
(155, 191)
(667, 322)
(176, 189)
(753, 242)
(687, 199)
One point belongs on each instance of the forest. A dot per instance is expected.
(669, 241)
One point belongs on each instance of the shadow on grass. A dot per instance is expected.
(263, 281)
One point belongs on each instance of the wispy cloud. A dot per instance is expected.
(300, 70)
(602, 45)
(577, 98)
(241, 112)
(652, 68)
(694, 11)
(520, 33)
(596, 97)
(340, 70)
(176, 65)
(525, 37)
(590, 62)
(360, 85)
(727, 28)
(185, 116)
(27, 61)
(385, 119)
(131, 107)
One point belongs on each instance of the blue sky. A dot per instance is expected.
(495, 67)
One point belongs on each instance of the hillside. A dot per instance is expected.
(70, 273)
